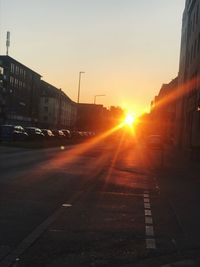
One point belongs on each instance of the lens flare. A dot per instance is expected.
(129, 120)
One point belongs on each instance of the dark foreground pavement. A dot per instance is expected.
(111, 205)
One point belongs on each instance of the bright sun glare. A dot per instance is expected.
(129, 120)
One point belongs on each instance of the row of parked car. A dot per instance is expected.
(18, 133)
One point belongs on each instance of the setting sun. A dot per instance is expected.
(129, 120)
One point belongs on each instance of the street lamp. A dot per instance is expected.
(79, 85)
(96, 97)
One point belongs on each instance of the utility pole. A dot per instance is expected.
(7, 42)
(79, 85)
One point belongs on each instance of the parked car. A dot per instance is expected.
(58, 134)
(48, 133)
(86, 134)
(82, 134)
(67, 133)
(34, 133)
(12, 133)
(76, 134)
(90, 134)
(154, 142)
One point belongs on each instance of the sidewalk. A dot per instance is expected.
(180, 162)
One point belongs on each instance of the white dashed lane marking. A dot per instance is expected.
(65, 205)
(147, 206)
(149, 229)
(148, 220)
(147, 212)
(151, 243)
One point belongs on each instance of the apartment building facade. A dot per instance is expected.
(21, 93)
(163, 110)
(90, 117)
(2, 94)
(49, 106)
(28, 101)
(57, 110)
(188, 104)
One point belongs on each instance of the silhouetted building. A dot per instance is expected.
(22, 91)
(67, 111)
(116, 115)
(57, 110)
(90, 117)
(2, 94)
(188, 107)
(145, 125)
(49, 106)
(163, 110)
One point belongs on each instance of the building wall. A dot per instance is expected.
(21, 92)
(26, 100)
(90, 117)
(181, 80)
(49, 106)
(2, 95)
(67, 112)
(188, 115)
(163, 111)
(48, 112)
(57, 110)
(73, 115)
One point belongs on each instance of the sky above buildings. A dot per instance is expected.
(127, 48)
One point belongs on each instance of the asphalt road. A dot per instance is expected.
(105, 203)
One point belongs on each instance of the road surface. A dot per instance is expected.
(105, 203)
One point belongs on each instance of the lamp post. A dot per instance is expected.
(96, 97)
(79, 85)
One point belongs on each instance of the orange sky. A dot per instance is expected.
(127, 48)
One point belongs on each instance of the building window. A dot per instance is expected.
(46, 109)
(12, 68)
(190, 28)
(188, 58)
(1, 70)
(198, 44)
(17, 70)
(193, 22)
(197, 15)
(11, 80)
(195, 48)
(191, 55)
(21, 72)
(16, 83)
(46, 100)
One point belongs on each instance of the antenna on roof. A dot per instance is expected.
(7, 42)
